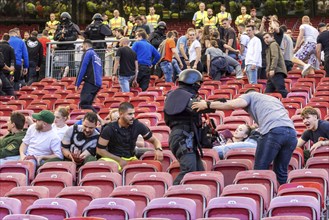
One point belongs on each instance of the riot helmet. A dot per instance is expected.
(65, 17)
(162, 25)
(190, 76)
(97, 16)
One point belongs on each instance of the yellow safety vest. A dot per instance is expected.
(221, 16)
(241, 19)
(130, 26)
(51, 31)
(199, 17)
(212, 21)
(153, 19)
(105, 22)
(116, 23)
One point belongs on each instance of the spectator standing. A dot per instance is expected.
(127, 64)
(229, 38)
(7, 72)
(253, 59)
(117, 21)
(323, 45)
(44, 39)
(51, 25)
(152, 19)
(275, 67)
(199, 15)
(243, 17)
(194, 52)
(35, 51)
(130, 24)
(91, 73)
(287, 47)
(182, 48)
(139, 26)
(223, 14)
(147, 57)
(210, 19)
(243, 40)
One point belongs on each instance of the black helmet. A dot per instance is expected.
(97, 16)
(190, 76)
(65, 15)
(162, 25)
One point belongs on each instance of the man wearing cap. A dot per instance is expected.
(323, 45)
(41, 142)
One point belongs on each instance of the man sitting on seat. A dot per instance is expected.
(118, 139)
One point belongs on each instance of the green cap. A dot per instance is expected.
(44, 115)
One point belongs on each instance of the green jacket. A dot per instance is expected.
(274, 59)
(9, 144)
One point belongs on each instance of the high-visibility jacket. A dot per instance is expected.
(117, 22)
(210, 21)
(220, 16)
(52, 31)
(130, 26)
(153, 20)
(199, 17)
(242, 19)
(105, 22)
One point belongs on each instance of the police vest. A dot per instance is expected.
(51, 23)
(199, 17)
(130, 26)
(241, 19)
(116, 22)
(153, 20)
(221, 16)
(210, 21)
(95, 31)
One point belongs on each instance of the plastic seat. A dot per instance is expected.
(257, 192)
(78, 112)
(48, 81)
(152, 116)
(8, 109)
(97, 166)
(318, 163)
(217, 116)
(213, 179)
(9, 206)
(83, 195)
(294, 100)
(28, 194)
(210, 156)
(291, 108)
(21, 104)
(291, 217)
(299, 155)
(63, 102)
(303, 95)
(176, 208)
(106, 181)
(149, 94)
(24, 167)
(230, 167)
(174, 169)
(54, 181)
(295, 205)
(52, 98)
(24, 217)
(111, 208)
(62, 166)
(62, 85)
(73, 96)
(160, 181)
(257, 87)
(51, 89)
(322, 151)
(141, 195)
(69, 80)
(111, 100)
(53, 208)
(322, 106)
(241, 153)
(232, 207)
(137, 100)
(162, 133)
(138, 166)
(11, 180)
(199, 193)
(168, 158)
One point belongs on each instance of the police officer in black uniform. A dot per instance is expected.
(185, 124)
(158, 35)
(97, 31)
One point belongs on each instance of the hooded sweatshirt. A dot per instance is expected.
(35, 50)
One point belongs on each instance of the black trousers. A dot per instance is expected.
(143, 78)
(288, 64)
(189, 160)
(199, 66)
(326, 65)
(7, 87)
(276, 84)
(87, 96)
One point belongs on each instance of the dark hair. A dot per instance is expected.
(120, 30)
(34, 33)
(138, 18)
(87, 41)
(309, 110)
(18, 119)
(142, 33)
(124, 106)
(45, 33)
(5, 37)
(91, 116)
(251, 26)
(242, 25)
(271, 34)
(214, 35)
(225, 19)
(214, 43)
(284, 28)
(170, 34)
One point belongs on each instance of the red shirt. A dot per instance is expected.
(43, 41)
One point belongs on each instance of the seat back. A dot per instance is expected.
(168, 158)
(11, 180)
(24, 217)
(25, 167)
(62, 166)
(318, 162)
(9, 206)
(96, 167)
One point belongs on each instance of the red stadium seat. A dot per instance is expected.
(9, 206)
(168, 158)
(96, 167)
(11, 180)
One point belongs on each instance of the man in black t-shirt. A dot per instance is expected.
(323, 44)
(229, 37)
(118, 139)
(128, 70)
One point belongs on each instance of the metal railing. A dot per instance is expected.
(61, 63)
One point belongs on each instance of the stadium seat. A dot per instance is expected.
(291, 217)
(230, 167)
(49, 81)
(8, 109)
(97, 166)
(291, 108)
(210, 157)
(136, 100)
(111, 208)
(230, 127)
(174, 169)
(237, 120)
(55, 181)
(24, 217)
(9, 206)
(213, 179)
(52, 98)
(217, 116)
(25, 167)
(40, 102)
(28, 194)
(106, 181)
(318, 163)
(141, 195)
(299, 155)
(21, 104)
(232, 207)
(53, 208)
(125, 95)
(83, 195)
(62, 85)
(322, 106)
(61, 166)
(176, 208)
(111, 100)
(39, 93)
(11, 180)
(160, 181)
(295, 205)
(294, 100)
(154, 117)
(216, 84)
(168, 158)
(162, 133)
(51, 89)
(78, 112)
(63, 102)
(241, 153)
(320, 152)
(152, 95)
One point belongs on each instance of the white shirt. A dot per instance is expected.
(192, 51)
(41, 143)
(60, 131)
(254, 52)
(310, 33)
(244, 40)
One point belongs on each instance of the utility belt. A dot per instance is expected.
(186, 145)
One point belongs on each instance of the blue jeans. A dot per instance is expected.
(124, 82)
(176, 68)
(223, 149)
(277, 146)
(167, 70)
(251, 74)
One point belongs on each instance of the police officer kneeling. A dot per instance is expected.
(185, 123)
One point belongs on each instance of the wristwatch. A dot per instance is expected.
(208, 104)
(158, 148)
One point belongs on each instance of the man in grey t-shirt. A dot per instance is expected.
(278, 136)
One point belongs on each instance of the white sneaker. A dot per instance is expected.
(306, 69)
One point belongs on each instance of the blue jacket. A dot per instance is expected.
(90, 69)
(146, 53)
(20, 51)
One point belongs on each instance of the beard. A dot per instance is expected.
(38, 127)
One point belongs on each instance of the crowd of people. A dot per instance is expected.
(212, 47)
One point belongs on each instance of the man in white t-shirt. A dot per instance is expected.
(244, 40)
(253, 59)
(194, 52)
(41, 142)
(307, 51)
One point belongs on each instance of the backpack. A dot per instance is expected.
(162, 50)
